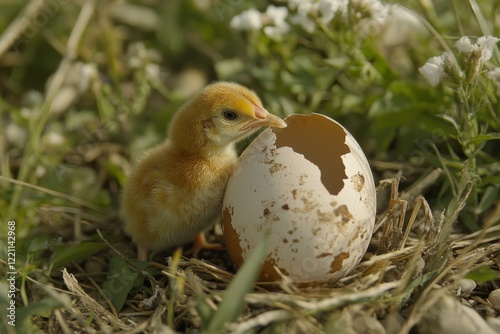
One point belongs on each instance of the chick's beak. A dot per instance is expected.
(264, 118)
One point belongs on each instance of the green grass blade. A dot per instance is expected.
(204, 311)
(233, 303)
(66, 255)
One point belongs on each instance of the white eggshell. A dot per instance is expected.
(310, 187)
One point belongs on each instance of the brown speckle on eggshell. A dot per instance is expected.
(343, 212)
(231, 237)
(336, 264)
(358, 181)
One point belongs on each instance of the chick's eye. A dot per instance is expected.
(229, 115)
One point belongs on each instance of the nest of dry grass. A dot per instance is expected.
(415, 266)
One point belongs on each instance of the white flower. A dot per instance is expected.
(277, 16)
(88, 74)
(494, 74)
(40, 171)
(305, 22)
(302, 18)
(293, 4)
(379, 11)
(487, 41)
(53, 139)
(463, 45)
(153, 71)
(32, 98)
(247, 20)
(16, 135)
(275, 32)
(402, 29)
(433, 70)
(328, 9)
(307, 7)
(486, 44)
(27, 113)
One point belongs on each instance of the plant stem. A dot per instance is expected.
(30, 156)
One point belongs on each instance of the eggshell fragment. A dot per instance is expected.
(310, 187)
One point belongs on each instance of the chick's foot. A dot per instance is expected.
(201, 243)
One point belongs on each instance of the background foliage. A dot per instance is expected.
(88, 85)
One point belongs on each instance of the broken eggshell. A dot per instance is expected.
(310, 187)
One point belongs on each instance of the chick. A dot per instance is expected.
(175, 192)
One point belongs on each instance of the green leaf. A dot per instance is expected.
(490, 180)
(122, 278)
(489, 198)
(75, 120)
(104, 106)
(24, 314)
(482, 274)
(233, 302)
(169, 33)
(42, 306)
(65, 255)
(116, 172)
(204, 311)
(469, 220)
(479, 139)
(451, 120)
(39, 243)
(229, 68)
(339, 62)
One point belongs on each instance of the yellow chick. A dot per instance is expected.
(175, 192)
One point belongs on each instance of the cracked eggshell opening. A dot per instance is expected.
(310, 187)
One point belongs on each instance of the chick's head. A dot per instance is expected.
(222, 114)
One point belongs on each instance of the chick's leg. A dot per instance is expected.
(201, 243)
(142, 253)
